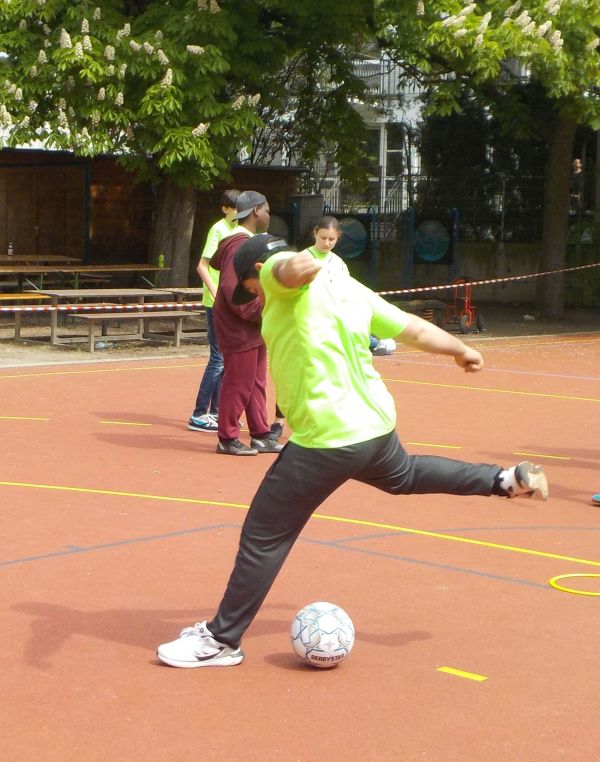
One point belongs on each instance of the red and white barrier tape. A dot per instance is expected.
(150, 306)
(485, 282)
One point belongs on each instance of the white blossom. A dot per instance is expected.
(109, 53)
(195, 50)
(41, 2)
(420, 8)
(452, 21)
(148, 48)
(62, 104)
(254, 100)
(158, 35)
(167, 80)
(593, 44)
(42, 57)
(85, 134)
(530, 28)
(135, 45)
(460, 33)
(523, 19)
(46, 29)
(552, 7)
(23, 25)
(484, 22)
(162, 58)
(47, 43)
(119, 99)
(25, 122)
(95, 118)
(101, 94)
(556, 39)
(65, 39)
(512, 9)
(199, 130)
(122, 70)
(238, 103)
(543, 28)
(78, 50)
(71, 111)
(18, 94)
(467, 9)
(87, 43)
(33, 71)
(97, 14)
(202, 5)
(110, 70)
(32, 106)
(62, 118)
(125, 32)
(479, 40)
(214, 6)
(85, 27)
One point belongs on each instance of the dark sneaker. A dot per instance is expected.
(206, 422)
(196, 647)
(236, 448)
(525, 480)
(596, 499)
(266, 444)
(277, 429)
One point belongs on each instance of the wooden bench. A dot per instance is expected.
(26, 296)
(102, 319)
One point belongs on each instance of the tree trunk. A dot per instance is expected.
(550, 294)
(172, 228)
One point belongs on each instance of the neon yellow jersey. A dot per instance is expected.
(220, 230)
(318, 342)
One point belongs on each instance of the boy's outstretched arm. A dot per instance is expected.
(296, 271)
(427, 337)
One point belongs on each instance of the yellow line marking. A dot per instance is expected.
(429, 444)
(322, 516)
(125, 423)
(98, 370)
(539, 455)
(462, 673)
(491, 389)
(21, 418)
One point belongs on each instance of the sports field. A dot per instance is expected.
(120, 528)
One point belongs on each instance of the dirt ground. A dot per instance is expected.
(499, 320)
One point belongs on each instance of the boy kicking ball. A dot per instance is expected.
(316, 323)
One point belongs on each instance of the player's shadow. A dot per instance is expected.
(53, 626)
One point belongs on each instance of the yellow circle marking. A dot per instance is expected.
(554, 583)
(322, 516)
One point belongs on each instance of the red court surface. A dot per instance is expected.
(120, 528)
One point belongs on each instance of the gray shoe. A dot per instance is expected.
(266, 444)
(530, 479)
(235, 448)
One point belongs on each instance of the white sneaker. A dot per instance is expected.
(524, 480)
(196, 647)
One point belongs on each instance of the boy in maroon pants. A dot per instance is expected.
(243, 386)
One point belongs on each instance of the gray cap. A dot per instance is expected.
(246, 202)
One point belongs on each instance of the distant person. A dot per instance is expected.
(206, 410)
(316, 324)
(577, 187)
(244, 384)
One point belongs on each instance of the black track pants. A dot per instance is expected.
(298, 482)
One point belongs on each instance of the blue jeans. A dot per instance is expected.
(207, 400)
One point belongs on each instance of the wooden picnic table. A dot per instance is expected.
(30, 259)
(22, 271)
(184, 295)
(107, 296)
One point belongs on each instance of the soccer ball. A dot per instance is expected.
(322, 634)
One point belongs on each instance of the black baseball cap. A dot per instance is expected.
(246, 202)
(258, 248)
